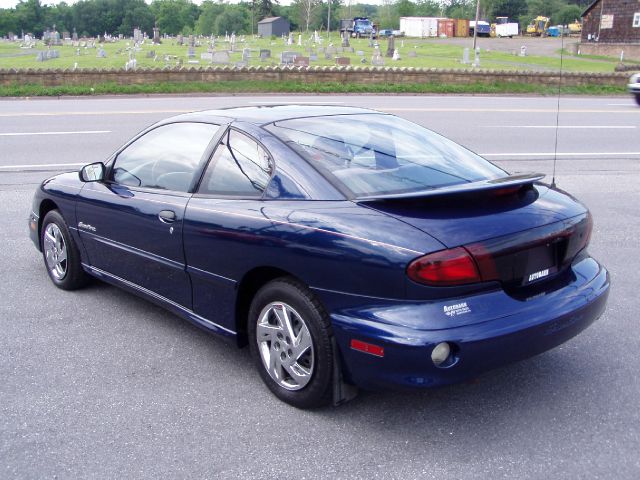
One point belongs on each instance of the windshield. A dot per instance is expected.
(377, 154)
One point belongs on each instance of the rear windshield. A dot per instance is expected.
(376, 154)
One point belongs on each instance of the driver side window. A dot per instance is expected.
(165, 158)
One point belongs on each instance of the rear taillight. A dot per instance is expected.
(444, 268)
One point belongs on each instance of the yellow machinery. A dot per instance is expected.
(538, 27)
(575, 28)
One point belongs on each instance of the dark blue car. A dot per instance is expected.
(348, 248)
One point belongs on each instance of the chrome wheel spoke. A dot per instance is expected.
(302, 343)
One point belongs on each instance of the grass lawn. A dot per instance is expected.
(430, 53)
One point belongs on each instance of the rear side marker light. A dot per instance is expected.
(367, 348)
(445, 268)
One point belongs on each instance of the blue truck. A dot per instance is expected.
(358, 27)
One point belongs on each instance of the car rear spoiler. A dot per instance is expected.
(508, 182)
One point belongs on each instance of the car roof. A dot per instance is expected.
(265, 114)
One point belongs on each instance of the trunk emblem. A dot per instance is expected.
(538, 275)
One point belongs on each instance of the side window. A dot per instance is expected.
(240, 166)
(165, 158)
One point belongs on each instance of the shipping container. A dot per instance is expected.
(445, 27)
(461, 27)
(420, 27)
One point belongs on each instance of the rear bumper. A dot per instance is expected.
(531, 327)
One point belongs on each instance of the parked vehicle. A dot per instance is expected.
(504, 28)
(538, 27)
(634, 86)
(484, 28)
(358, 27)
(347, 247)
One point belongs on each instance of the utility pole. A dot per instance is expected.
(475, 29)
(329, 18)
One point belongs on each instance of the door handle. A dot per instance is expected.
(167, 216)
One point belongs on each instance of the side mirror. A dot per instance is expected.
(94, 172)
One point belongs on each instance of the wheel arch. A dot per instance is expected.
(45, 207)
(247, 288)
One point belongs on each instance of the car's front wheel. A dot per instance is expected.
(60, 253)
(638, 98)
(290, 341)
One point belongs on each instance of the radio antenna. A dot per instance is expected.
(555, 147)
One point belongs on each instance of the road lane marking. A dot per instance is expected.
(82, 132)
(42, 165)
(577, 127)
(560, 154)
(114, 112)
(502, 110)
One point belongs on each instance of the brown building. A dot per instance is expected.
(612, 21)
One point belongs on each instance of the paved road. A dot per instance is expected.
(101, 384)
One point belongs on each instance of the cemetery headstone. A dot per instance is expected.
(343, 61)
(391, 46)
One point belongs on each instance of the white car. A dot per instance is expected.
(634, 86)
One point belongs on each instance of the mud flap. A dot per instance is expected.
(342, 391)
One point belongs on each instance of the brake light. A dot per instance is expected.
(444, 268)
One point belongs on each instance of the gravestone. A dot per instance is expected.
(349, 49)
(191, 52)
(150, 54)
(265, 53)
(345, 39)
(220, 57)
(412, 54)
(74, 37)
(156, 35)
(360, 53)
(301, 61)
(241, 64)
(179, 39)
(391, 46)
(137, 35)
(313, 57)
(377, 59)
(343, 61)
(331, 50)
(101, 53)
(396, 55)
(465, 56)
(288, 58)
(246, 54)
(207, 56)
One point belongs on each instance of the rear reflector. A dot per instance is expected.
(367, 348)
(444, 268)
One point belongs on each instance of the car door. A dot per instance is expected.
(131, 224)
(218, 235)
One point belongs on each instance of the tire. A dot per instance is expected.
(638, 98)
(296, 367)
(60, 253)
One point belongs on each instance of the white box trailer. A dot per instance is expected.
(507, 30)
(420, 27)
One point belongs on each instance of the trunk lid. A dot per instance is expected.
(519, 236)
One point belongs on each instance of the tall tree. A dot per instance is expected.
(265, 9)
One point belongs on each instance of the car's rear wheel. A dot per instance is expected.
(60, 253)
(638, 98)
(290, 341)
